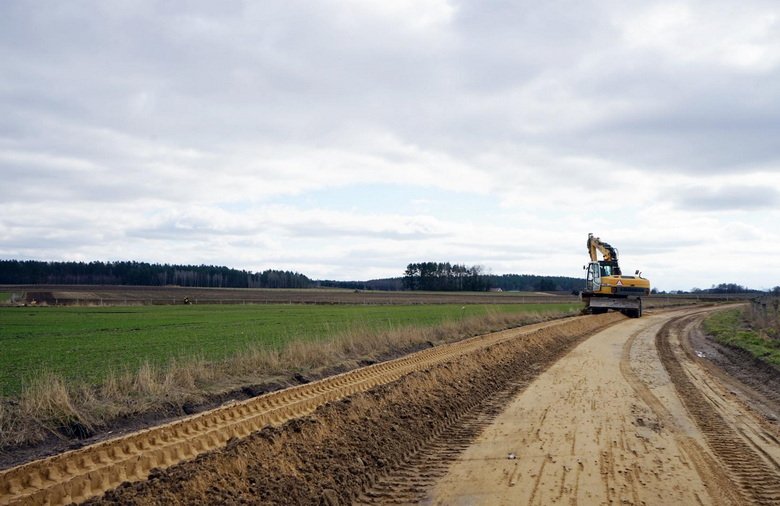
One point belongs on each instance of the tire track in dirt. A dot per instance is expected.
(411, 482)
(87, 472)
(759, 479)
(709, 470)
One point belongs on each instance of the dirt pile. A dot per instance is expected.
(343, 448)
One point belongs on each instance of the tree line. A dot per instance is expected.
(444, 276)
(32, 272)
(536, 283)
(434, 276)
(727, 288)
(385, 284)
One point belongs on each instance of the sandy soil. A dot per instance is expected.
(608, 424)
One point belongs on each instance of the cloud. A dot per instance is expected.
(740, 37)
(350, 137)
(731, 198)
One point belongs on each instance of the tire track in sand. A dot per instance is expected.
(758, 478)
(707, 467)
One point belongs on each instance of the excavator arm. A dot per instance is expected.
(595, 244)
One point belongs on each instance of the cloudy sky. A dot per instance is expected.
(345, 139)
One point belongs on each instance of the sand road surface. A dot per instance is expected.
(625, 418)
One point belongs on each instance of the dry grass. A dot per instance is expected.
(50, 405)
(763, 315)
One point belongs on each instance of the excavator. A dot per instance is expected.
(605, 285)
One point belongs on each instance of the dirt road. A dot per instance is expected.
(627, 417)
(589, 410)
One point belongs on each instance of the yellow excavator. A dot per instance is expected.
(605, 285)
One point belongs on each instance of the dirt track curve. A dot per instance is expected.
(587, 410)
(80, 474)
(628, 417)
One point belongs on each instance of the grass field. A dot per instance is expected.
(730, 327)
(84, 344)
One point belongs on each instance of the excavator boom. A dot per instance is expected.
(595, 244)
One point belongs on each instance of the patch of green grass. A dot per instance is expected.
(5, 297)
(84, 344)
(730, 327)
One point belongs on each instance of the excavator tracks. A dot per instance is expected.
(78, 475)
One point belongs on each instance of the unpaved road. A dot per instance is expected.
(628, 417)
(590, 410)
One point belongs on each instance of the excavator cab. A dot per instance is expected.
(598, 270)
(593, 277)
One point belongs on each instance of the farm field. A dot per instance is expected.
(148, 295)
(83, 344)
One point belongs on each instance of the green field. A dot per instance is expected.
(84, 343)
(729, 327)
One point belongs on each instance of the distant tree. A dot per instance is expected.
(444, 276)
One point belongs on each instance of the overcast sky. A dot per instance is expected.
(345, 139)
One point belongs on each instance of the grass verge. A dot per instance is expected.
(730, 327)
(50, 404)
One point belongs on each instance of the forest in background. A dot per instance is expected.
(433, 276)
(429, 276)
(33, 272)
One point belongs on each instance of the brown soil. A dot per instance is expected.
(345, 447)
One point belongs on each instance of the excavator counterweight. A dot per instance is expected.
(605, 285)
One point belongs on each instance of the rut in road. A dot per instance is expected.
(758, 477)
(418, 472)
